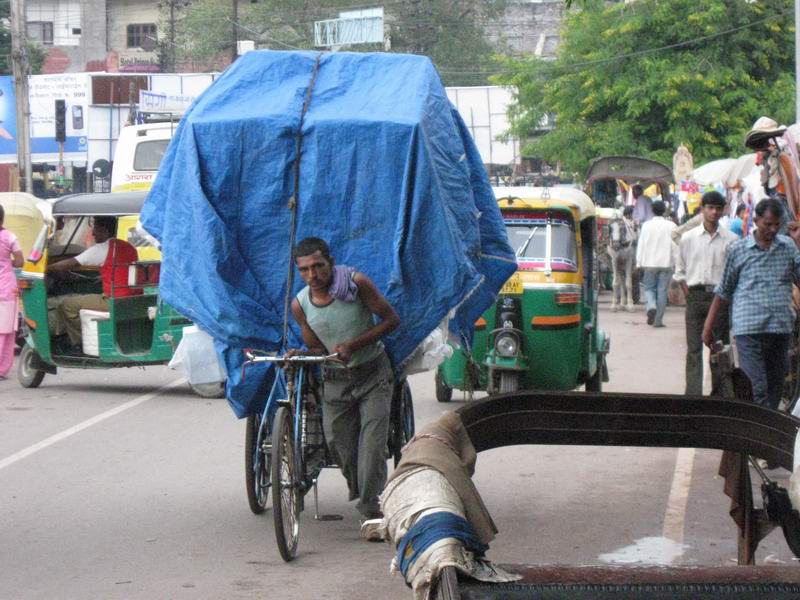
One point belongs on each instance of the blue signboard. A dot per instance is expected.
(8, 121)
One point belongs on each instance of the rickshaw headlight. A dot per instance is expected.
(506, 345)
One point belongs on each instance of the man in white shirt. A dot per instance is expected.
(113, 268)
(655, 258)
(698, 267)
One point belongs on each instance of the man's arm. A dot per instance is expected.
(680, 264)
(378, 305)
(640, 245)
(723, 296)
(794, 233)
(708, 327)
(310, 339)
(68, 264)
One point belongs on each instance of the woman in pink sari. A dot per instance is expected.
(10, 258)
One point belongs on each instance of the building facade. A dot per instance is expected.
(529, 27)
(95, 35)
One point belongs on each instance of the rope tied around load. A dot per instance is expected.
(293, 200)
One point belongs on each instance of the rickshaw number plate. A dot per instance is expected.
(513, 285)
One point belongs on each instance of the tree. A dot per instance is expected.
(641, 78)
(450, 32)
(36, 54)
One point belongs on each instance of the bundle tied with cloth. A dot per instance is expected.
(433, 513)
(779, 174)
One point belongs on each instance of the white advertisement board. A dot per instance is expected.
(73, 88)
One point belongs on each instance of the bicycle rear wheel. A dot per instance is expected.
(402, 416)
(256, 464)
(285, 505)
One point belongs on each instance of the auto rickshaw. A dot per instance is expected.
(139, 328)
(542, 332)
(25, 215)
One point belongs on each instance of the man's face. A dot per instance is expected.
(712, 213)
(315, 270)
(100, 232)
(768, 226)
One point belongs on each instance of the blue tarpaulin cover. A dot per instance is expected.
(389, 176)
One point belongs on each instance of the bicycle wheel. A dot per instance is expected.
(256, 464)
(285, 506)
(402, 427)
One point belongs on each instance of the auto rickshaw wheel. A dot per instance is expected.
(28, 375)
(444, 393)
(595, 382)
(209, 390)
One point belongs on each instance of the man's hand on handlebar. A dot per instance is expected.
(345, 352)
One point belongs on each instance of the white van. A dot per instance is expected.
(138, 155)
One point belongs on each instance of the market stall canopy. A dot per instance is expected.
(741, 169)
(713, 172)
(727, 171)
(388, 175)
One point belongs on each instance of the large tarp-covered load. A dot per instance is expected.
(387, 173)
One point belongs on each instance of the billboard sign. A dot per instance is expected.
(73, 88)
(8, 121)
(157, 102)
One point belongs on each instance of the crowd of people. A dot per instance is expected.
(738, 279)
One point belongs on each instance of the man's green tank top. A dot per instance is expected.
(340, 322)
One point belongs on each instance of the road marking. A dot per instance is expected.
(678, 496)
(46, 443)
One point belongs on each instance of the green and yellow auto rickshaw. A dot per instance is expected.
(139, 328)
(542, 332)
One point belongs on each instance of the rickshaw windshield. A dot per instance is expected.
(529, 238)
(71, 237)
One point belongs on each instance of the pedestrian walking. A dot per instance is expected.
(655, 257)
(10, 258)
(737, 223)
(642, 205)
(699, 263)
(757, 280)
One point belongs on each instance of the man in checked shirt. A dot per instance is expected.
(757, 280)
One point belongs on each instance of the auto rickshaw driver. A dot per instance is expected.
(112, 256)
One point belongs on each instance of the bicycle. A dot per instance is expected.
(285, 443)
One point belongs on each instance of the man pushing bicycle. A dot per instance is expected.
(336, 312)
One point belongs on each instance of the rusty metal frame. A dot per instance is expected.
(645, 420)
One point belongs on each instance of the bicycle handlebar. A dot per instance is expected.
(254, 356)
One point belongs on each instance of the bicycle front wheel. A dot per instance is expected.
(285, 505)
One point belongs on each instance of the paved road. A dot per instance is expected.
(122, 484)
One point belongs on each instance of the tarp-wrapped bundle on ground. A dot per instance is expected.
(386, 172)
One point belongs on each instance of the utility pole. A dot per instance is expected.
(797, 60)
(235, 26)
(21, 69)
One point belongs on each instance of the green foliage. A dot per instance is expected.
(36, 54)
(616, 89)
(451, 32)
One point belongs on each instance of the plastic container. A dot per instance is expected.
(89, 337)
